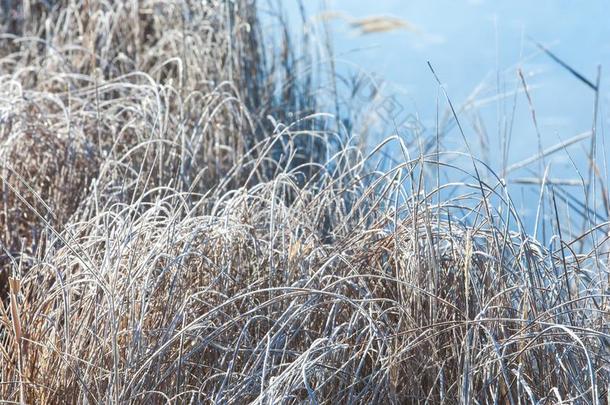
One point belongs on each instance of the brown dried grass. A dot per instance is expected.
(186, 247)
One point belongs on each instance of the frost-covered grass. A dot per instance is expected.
(182, 220)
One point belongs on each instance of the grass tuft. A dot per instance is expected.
(181, 222)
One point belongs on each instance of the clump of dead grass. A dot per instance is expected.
(206, 237)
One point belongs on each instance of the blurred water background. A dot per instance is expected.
(477, 48)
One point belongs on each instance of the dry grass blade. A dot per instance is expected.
(372, 25)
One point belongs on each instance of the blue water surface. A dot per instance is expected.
(481, 45)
